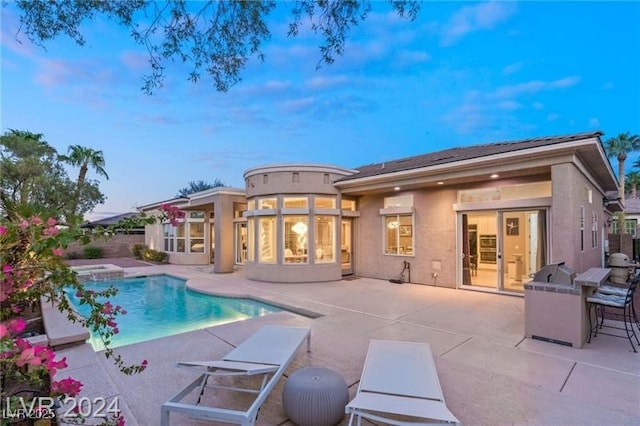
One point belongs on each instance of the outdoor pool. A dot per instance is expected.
(161, 305)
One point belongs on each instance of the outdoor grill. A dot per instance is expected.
(619, 264)
(555, 273)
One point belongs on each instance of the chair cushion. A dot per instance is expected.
(608, 300)
(609, 289)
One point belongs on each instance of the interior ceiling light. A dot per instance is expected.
(494, 176)
(396, 188)
(440, 183)
(393, 225)
(299, 228)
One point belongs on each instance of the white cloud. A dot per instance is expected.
(594, 122)
(323, 82)
(552, 117)
(537, 105)
(298, 105)
(469, 19)
(512, 68)
(509, 105)
(409, 57)
(134, 60)
(535, 86)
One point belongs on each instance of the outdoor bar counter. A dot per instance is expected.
(555, 307)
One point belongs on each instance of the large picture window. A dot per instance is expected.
(295, 239)
(181, 237)
(325, 239)
(196, 237)
(267, 239)
(169, 236)
(187, 237)
(398, 230)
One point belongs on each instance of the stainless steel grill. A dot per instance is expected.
(556, 273)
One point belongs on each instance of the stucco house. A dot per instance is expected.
(478, 217)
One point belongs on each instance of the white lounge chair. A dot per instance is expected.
(269, 352)
(399, 379)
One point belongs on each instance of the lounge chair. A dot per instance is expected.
(399, 386)
(268, 352)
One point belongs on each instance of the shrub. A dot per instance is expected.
(92, 252)
(154, 255)
(73, 255)
(137, 250)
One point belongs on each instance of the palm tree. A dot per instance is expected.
(632, 182)
(619, 147)
(198, 186)
(84, 157)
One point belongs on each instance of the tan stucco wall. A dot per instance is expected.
(570, 191)
(434, 239)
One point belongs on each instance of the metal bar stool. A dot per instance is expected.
(599, 301)
(620, 292)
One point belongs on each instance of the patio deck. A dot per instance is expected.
(489, 372)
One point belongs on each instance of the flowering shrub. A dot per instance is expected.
(32, 272)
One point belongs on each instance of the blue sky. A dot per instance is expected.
(461, 74)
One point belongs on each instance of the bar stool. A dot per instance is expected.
(599, 301)
(620, 292)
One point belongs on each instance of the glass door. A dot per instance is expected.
(480, 254)
(241, 243)
(502, 248)
(346, 246)
(213, 242)
(524, 242)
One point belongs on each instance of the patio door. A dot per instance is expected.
(241, 243)
(213, 242)
(500, 249)
(346, 246)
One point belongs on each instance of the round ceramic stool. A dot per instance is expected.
(315, 397)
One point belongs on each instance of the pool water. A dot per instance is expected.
(161, 305)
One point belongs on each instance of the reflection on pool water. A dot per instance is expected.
(161, 305)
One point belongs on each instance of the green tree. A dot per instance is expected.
(34, 180)
(632, 182)
(217, 37)
(83, 157)
(619, 147)
(197, 186)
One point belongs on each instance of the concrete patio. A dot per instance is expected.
(490, 373)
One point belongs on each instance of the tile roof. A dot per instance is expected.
(107, 221)
(463, 153)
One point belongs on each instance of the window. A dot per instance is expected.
(250, 240)
(295, 239)
(325, 203)
(188, 236)
(349, 205)
(398, 231)
(295, 203)
(325, 239)
(398, 225)
(267, 203)
(169, 233)
(267, 239)
(196, 237)
(507, 192)
(399, 201)
(594, 229)
(180, 238)
(630, 227)
(581, 226)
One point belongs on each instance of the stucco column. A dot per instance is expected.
(224, 252)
